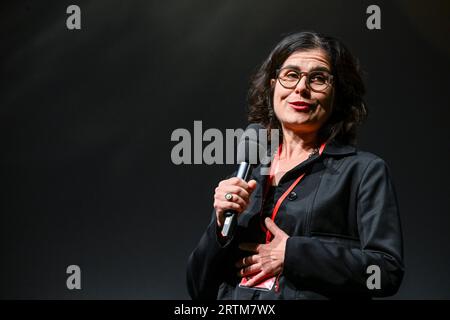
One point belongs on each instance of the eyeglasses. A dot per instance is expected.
(317, 81)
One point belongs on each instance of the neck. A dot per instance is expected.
(297, 144)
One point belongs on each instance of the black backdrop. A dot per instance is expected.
(87, 116)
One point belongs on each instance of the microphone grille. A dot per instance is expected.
(250, 146)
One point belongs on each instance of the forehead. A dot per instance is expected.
(308, 59)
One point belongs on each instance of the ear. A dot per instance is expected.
(272, 83)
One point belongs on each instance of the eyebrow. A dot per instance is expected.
(318, 68)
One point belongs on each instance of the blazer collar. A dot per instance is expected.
(334, 148)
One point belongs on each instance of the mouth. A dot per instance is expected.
(300, 105)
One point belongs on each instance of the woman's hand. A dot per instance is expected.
(240, 191)
(268, 259)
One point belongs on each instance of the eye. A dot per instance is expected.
(318, 77)
(291, 75)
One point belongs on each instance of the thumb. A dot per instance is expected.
(272, 227)
(252, 184)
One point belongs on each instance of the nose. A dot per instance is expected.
(301, 85)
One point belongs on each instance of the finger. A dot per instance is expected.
(252, 247)
(241, 183)
(250, 270)
(252, 184)
(256, 279)
(246, 261)
(235, 181)
(235, 198)
(222, 205)
(234, 190)
(272, 227)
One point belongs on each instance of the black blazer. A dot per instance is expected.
(341, 218)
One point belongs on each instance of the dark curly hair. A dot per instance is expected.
(349, 109)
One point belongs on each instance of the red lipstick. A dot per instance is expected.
(300, 105)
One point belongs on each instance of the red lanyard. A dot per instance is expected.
(285, 194)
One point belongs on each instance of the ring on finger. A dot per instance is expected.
(228, 196)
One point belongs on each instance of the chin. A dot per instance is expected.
(297, 126)
(297, 121)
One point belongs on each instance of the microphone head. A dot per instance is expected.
(250, 144)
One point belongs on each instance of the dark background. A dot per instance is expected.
(87, 116)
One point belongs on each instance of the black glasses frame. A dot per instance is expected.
(329, 81)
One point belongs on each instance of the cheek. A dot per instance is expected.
(327, 101)
(279, 95)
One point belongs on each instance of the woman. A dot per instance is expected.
(325, 222)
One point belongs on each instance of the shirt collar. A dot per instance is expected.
(332, 148)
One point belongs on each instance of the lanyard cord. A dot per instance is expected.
(273, 167)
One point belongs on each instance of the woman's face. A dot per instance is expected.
(300, 109)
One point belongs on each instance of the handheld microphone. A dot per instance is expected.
(247, 155)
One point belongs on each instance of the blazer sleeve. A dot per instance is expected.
(332, 268)
(207, 263)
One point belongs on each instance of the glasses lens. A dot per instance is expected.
(289, 78)
(319, 80)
